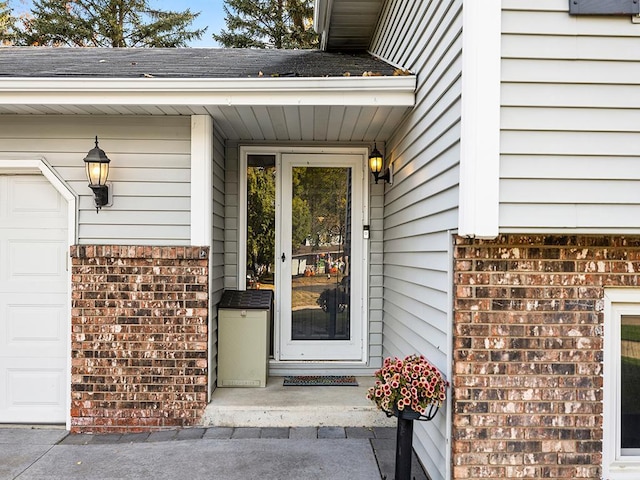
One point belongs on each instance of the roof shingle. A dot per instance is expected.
(47, 62)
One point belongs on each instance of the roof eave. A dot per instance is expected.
(365, 91)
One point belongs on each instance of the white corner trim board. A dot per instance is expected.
(480, 131)
(201, 180)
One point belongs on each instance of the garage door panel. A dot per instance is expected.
(23, 203)
(33, 330)
(34, 393)
(27, 222)
(36, 260)
(34, 292)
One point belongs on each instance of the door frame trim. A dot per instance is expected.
(39, 166)
(245, 150)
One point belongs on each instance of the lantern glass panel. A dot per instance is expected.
(375, 163)
(97, 173)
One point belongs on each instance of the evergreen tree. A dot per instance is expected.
(106, 23)
(6, 23)
(268, 24)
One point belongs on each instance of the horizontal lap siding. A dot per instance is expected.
(216, 269)
(569, 120)
(217, 264)
(149, 172)
(421, 206)
(231, 214)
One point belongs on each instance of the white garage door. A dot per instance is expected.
(33, 301)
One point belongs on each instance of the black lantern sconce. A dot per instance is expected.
(97, 166)
(376, 164)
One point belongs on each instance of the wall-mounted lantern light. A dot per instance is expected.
(376, 164)
(97, 167)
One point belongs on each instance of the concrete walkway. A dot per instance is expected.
(323, 453)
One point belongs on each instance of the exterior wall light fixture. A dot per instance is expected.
(97, 167)
(376, 163)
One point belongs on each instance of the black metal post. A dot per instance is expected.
(404, 451)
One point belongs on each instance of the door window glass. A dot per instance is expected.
(321, 252)
(261, 225)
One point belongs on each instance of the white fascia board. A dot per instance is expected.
(363, 91)
(480, 130)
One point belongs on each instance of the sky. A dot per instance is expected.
(211, 15)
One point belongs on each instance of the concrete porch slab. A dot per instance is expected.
(279, 406)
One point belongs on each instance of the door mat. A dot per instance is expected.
(320, 381)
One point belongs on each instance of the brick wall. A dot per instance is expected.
(528, 352)
(139, 337)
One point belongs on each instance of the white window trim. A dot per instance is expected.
(616, 466)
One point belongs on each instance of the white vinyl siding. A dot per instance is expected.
(150, 171)
(231, 214)
(421, 207)
(217, 258)
(570, 160)
(376, 279)
(217, 265)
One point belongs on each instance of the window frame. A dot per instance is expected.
(616, 464)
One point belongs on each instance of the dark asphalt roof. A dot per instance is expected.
(182, 63)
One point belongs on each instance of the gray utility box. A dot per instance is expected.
(243, 338)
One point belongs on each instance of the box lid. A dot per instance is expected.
(247, 299)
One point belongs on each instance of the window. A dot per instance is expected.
(621, 446)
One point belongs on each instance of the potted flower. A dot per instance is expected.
(409, 387)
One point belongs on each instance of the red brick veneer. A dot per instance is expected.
(528, 353)
(139, 337)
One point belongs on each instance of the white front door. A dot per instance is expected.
(33, 301)
(321, 257)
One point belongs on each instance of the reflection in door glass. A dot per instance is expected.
(321, 251)
(261, 225)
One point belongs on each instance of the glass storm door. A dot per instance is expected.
(321, 259)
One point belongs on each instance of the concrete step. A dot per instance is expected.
(279, 406)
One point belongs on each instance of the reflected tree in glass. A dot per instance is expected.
(320, 272)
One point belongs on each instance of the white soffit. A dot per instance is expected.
(346, 24)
